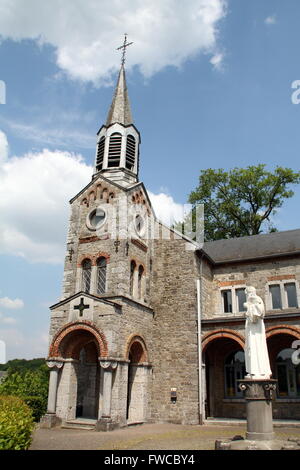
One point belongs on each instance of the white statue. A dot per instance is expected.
(256, 351)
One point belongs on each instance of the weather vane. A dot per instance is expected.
(125, 44)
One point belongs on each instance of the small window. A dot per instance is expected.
(140, 281)
(139, 224)
(291, 294)
(101, 275)
(114, 151)
(132, 271)
(241, 299)
(275, 297)
(96, 217)
(86, 275)
(227, 301)
(234, 371)
(288, 375)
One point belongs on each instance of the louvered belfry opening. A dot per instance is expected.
(130, 152)
(114, 151)
(100, 154)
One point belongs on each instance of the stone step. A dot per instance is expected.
(277, 423)
(83, 424)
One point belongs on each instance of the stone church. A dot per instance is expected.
(150, 325)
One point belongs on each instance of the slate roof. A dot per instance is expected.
(254, 247)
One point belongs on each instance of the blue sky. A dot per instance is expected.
(210, 87)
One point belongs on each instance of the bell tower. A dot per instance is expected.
(117, 151)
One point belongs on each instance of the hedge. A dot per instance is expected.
(37, 405)
(16, 423)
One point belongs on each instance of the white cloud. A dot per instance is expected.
(58, 136)
(85, 33)
(7, 320)
(6, 302)
(34, 194)
(217, 60)
(166, 209)
(19, 345)
(3, 147)
(271, 20)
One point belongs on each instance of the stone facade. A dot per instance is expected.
(124, 337)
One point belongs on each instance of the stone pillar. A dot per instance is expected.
(258, 395)
(50, 419)
(105, 422)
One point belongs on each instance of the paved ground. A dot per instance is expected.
(144, 437)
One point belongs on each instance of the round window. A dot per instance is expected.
(95, 218)
(139, 224)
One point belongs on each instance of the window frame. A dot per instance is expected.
(234, 299)
(283, 294)
(100, 269)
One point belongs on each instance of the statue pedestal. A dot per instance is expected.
(258, 396)
(259, 435)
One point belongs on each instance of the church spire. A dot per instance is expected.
(120, 108)
(117, 151)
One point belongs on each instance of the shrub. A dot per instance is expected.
(37, 405)
(16, 424)
(31, 386)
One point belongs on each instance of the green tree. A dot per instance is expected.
(242, 201)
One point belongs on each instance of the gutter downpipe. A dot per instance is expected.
(199, 314)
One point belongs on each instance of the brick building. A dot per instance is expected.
(125, 338)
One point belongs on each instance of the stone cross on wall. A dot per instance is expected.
(81, 307)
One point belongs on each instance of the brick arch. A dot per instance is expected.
(223, 333)
(84, 326)
(140, 349)
(283, 329)
(100, 254)
(82, 258)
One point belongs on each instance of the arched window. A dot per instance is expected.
(101, 275)
(114, 150)
(130, 152)
(86, 275)
(234, 370)
(288, 375)
(140, 282)
(100, 154)
(132, 271)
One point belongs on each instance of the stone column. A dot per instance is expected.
(50, 419)
(258, 395)
(105, 423)
(53, 380)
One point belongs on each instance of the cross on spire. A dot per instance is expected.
(123, 47)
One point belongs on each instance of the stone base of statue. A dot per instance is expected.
(258, 396)
(259, 434)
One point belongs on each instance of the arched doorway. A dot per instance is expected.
(137, 384)
(81, 346)
(224, 365)
(78, 394)
(286, 399)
